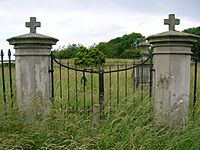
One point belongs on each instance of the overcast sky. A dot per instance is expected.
(93, 21)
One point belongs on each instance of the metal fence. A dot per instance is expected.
(195, 94)
(76, 88)
(7, 76)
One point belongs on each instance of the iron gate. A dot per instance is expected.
(77, 89)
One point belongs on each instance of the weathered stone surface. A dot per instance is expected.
(142, 73)
(144, 46)
(32, 72)
(172, 52)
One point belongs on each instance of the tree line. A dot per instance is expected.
(120, 47)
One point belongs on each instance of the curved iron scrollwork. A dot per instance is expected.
(97, 71)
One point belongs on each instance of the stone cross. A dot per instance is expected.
(172, 21)
(33, 24)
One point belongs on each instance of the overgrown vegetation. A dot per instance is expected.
(89, 57)
(129, 126)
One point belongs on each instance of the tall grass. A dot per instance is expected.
(56, 131)
(132, 127)
(128, 126)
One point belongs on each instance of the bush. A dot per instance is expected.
(89, 57)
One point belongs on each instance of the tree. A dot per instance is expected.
(130, 53)
(196, 46)
(66, 53)
(89, 57)
(115, 48)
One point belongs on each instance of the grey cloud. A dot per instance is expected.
(185, 8)
(66, 15)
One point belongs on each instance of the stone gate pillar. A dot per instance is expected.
(144, 46)
(172, 50)
(32, 55)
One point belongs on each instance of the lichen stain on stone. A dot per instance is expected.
(163, 82)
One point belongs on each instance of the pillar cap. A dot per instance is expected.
(32, 38)
(144, 46)
(173, 38)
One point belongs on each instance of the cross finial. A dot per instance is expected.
(172, 21)
(33, 24)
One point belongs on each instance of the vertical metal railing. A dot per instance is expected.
(126, 83)
(76, 89)
(142, 80)
(101, 87)
(91, 89)
(151, 72)
(133, 77)
(84, 88)
(7, 81)
(68, 87)
(10, 77)
(195, 83)
(3, 81)
(137, 77)
(110, 87)
(51, 70)
(118, 84)
(60, 81)
(196, 59)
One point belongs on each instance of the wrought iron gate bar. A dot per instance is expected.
(10, 77)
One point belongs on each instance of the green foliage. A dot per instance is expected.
(131, 126)
(130, 53)
(66, 53)
(57, 131)
(120, 46)
(89, 57)
(195, 31)
(128, 126)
